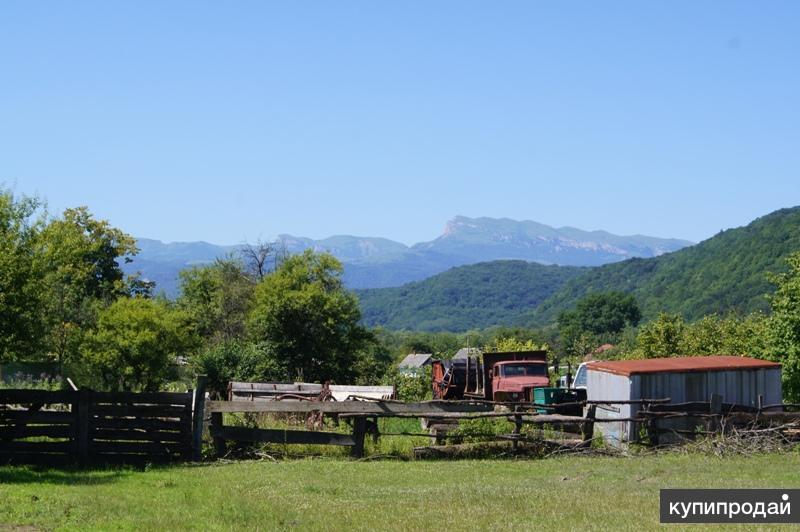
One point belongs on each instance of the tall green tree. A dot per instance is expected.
(80, 257)
(217, 299)
(135, 342)
(783, 336)
(312, 322)
(21, 317)
(596, 319)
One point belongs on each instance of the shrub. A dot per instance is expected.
(237, 360)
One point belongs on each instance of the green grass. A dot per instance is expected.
(335, 494)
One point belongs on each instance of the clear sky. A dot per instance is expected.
(226, 121)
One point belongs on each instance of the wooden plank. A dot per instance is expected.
(123, 410)
(274, 387)
(265, 395)
(154, 398)
(694, 406)
(82, 426)
(145, 424)
(246, 434)
(36, 446)
(48, 416)
(34, 431)
(450, 415)
(36, 396)
(140, 435)
(342, 407)
(198, 411)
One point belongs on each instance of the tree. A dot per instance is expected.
(217, 299)
(21, 317)
(80, 257)
(783, 329)
(669, 335)
(662, 337)
(600, 317)
(134, 344)
(304, 312)
(263, 257)
(729, 335)
(509, 344)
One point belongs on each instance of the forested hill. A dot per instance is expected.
(726, 272)
(468, 297)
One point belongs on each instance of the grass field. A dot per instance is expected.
(335, 494)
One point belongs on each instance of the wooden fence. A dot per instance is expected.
(360, 412)
(654, 415)
(86, 427)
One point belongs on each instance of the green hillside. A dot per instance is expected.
(467, 297)
(724, 273)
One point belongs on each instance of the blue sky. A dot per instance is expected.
(226, 121)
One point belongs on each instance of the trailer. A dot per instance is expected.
(492, 376)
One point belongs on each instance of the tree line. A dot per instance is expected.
(613, 318)
(257, 315)
(262, 314)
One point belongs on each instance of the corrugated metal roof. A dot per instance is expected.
(465, 352)
(680, 364)
(415, 360)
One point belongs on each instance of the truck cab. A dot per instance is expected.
(513, 380)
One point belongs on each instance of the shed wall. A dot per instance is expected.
(602, 386)
(740, 387)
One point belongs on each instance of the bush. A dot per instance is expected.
(410, 388)
(480, 429)
(236, 360)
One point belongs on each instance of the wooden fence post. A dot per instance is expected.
(517, 427)
(359, 431)
(198, 411)
(588, 425)
(652, 426)
(715, 407)
(216, 434)
(84, 406)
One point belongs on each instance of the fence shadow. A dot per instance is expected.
(63, 476)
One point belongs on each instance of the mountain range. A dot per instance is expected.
(371, 262)
(725, 273)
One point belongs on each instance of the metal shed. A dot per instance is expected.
(739, 380)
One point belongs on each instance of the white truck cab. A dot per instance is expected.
(578, 380)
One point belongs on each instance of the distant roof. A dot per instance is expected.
(416, 360)
(680, 364)
(465, 352)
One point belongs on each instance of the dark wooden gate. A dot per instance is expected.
(86, 427)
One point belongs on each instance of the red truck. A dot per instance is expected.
(494, 376)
